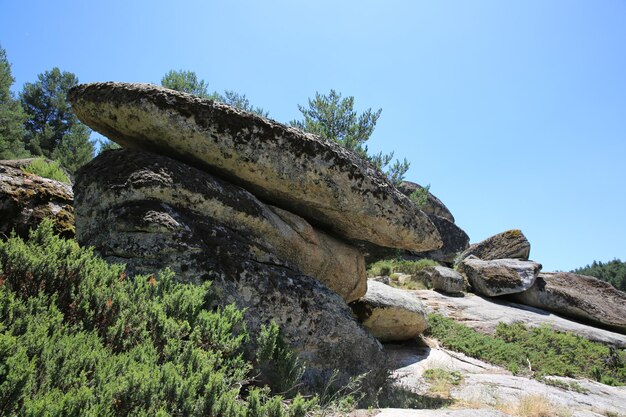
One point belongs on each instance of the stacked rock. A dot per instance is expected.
(270, 214)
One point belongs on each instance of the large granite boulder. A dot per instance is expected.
(26, 199)
(150, 212)
(117, 180)
(432, 206)
(499, 276)
(441, 278)
(581, 297)
(511, 244)
(302, 173)
(390, 314)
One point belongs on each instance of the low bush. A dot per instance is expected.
(538, 351)
(47, 169)
(79, 337)
(390, 266)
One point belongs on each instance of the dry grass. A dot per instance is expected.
(535, 405)
(441, 381)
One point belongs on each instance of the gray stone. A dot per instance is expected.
(511, 244)
(443, 279)
(499, 276)
(126, 208)
(390, 314)
(118, 178)
(454, 239)
(26, 199)
(578, 296)
(302, 173)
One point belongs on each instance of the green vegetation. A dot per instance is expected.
(334, 118)
(12, 116)
(188, 82)
(52, 129)
(79, 337)
(537, 351)
(420, 196)
(613, 272)
(390, 266)
(440, 381)
(47, 169)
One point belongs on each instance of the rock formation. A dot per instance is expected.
(581, 297)
(499, 276)
(26, 199)
(303, 173)
(118, 183)
(511, 244)
(151, 212)
(390, 314)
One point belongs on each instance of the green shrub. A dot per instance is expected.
(420, 196)
(390, 266)
(543, 350)
(79, 337)
(45, 169)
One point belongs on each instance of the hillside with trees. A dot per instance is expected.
(613, 272)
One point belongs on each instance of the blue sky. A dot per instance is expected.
(513, 111)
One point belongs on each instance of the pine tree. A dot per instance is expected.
(334, 118)
(12, 116)
(50, 120)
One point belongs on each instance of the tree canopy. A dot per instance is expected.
(188, 82)
(613, 272)
(52, 128)
(12, 116)
(334, 118)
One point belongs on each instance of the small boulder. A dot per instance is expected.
(300, 172)
(442, 279)
(390, 314)
(26, 199)
(511, 244)
(499, 276)
(581, 297)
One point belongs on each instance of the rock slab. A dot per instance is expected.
(499, 276)
(581, 297)
(511, 244)
(139, 210)
(302, 173)
(26, 199)
(390, 314)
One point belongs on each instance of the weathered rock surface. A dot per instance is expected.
(390, 314)
(499, 276)
(399, 412)
(150, 212)
(432, 206)
(26, 199)
(511, 244)
(487, 388)
(441, 278)
(578, 296)
(483, 314)
(117, 181)
(303, 173)
(454, 239)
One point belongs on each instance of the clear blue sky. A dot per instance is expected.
(513, 111)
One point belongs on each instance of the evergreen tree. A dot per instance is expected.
(334, 118)
(50, 120)
(613, 272)
(12, 116)
(188, 82)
